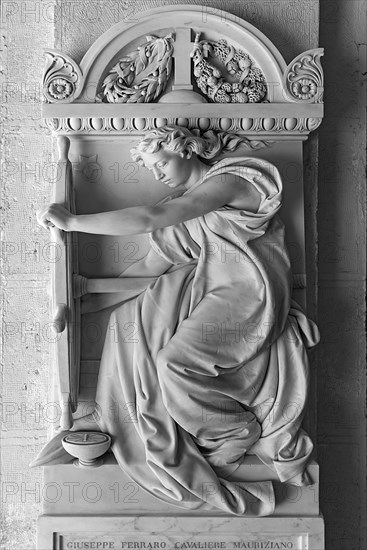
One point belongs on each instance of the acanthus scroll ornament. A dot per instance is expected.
(249, 86)
(304, 77)
(62, 78)
(142, 75)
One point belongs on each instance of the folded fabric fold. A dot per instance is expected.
(217, 368)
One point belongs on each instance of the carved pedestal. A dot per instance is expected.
(102, 508)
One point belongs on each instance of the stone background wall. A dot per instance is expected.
(335, 208)
(26, 29)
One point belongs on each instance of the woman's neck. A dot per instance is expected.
(199, 170)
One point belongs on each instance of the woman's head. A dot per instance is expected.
(186, 143)
(176, 139)
(172, 154)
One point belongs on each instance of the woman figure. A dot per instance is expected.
(217, 368)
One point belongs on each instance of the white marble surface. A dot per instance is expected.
(142, 532)
(108, 490)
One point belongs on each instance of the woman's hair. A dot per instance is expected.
(181, 140)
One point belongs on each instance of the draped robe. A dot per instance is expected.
(215, 365)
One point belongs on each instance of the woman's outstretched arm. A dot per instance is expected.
(210, 195)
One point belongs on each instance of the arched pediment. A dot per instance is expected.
(184, 55)
(123, 38)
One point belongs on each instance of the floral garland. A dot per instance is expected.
(119, 85)
(250, 85)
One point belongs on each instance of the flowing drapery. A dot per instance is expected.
(215, 365)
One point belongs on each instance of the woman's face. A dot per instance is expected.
(168, 167)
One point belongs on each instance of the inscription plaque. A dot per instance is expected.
(134, 541)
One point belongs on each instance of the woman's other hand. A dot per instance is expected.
(55, 215)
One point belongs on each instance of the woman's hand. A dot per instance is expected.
(55, 215)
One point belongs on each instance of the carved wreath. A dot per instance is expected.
(250, 85)
(142, 75)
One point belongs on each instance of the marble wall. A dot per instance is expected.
(26, 174)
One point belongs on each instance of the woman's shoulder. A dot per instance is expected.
(244, 163)
(245, 196)
(256, 182)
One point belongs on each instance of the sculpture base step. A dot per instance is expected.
(178, 532)
(108, 490)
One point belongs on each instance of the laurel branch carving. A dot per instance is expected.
(142, 75)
